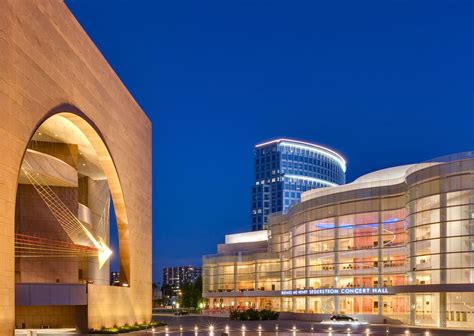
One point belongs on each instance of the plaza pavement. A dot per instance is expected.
(185, 326)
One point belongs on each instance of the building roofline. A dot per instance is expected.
(329, 151)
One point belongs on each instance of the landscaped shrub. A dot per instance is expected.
(253, 315)
(127, 328)
(267, 314)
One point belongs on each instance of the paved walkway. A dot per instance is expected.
(199, 325)
(185, 326)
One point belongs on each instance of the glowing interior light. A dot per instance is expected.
(355, 226)
(104, 252)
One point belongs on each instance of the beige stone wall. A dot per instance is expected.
(38, 316)
(48, 60)
(35, 219)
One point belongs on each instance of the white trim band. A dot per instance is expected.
(313, 179)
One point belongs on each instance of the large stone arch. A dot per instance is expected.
(49, 65)
(93, 134)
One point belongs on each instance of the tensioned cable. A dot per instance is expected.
(73, 227)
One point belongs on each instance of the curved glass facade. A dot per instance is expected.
(286, 168)
(399, 248)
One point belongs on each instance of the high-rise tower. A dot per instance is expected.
(284, 168)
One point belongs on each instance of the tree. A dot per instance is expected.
(167, 292)
(192, 293)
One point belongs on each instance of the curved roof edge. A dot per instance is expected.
(384, 177)
(384, 174)
(338, 157)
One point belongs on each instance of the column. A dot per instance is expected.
(412, 260)
(442, 310)
(306, 302)
(443, 262)
(256, 279)
(443, 229)
(239, 255)
(336, 258)
(412, 309)
(307, 266)
(380, 258)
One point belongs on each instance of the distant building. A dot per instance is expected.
(115, 278)
(157, 293)
(285, 168)
(177, 276)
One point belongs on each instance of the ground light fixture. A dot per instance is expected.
(427, 333)
(181, 328)
(367, 331)
(243, 328)
(276, 326)
(227, 328)
(259, 327)
(407, 332)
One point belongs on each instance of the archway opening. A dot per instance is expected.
(67, 188)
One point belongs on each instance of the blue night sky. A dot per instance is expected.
(383, 82)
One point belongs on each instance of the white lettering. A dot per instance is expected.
(336, 291)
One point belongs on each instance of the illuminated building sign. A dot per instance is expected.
(338, 291)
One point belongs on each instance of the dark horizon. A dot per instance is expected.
(381, 83)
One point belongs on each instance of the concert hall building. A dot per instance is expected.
(395, 245)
